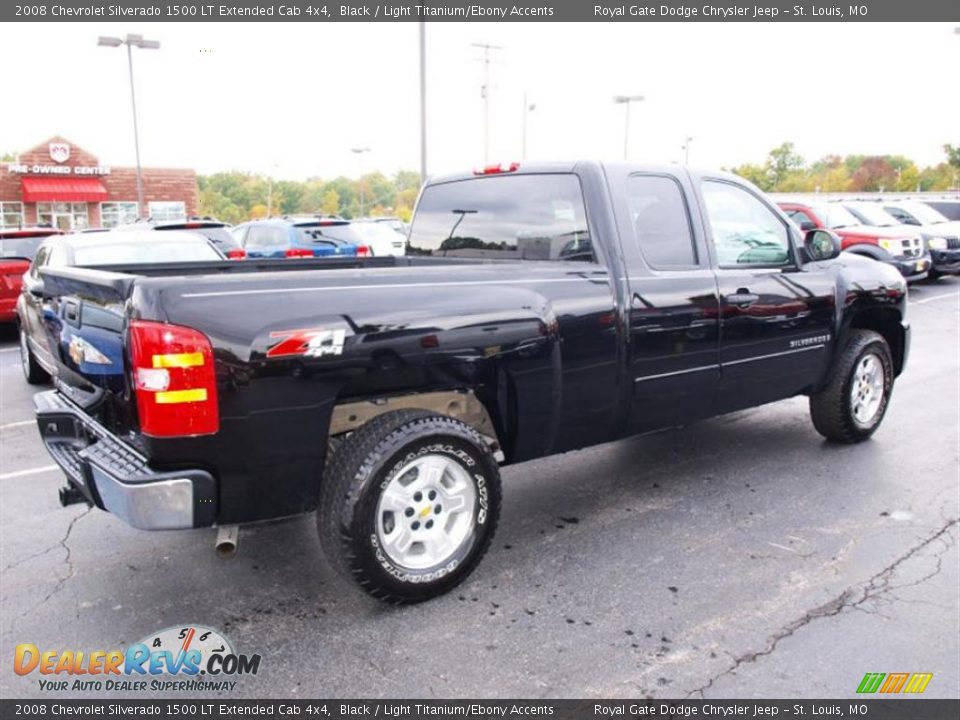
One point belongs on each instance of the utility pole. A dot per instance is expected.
(359, 151)
(528, 107)
(485, 94)
(423, 102)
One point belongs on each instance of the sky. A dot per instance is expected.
(291, 100)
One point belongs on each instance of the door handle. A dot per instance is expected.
(742, 298)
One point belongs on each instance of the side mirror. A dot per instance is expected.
(35, 288)
(808, 225)
(821, 245)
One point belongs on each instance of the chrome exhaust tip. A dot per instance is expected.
(228, 538)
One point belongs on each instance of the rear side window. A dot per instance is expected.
(507, 217)
(661, 221)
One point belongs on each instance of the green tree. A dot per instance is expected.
(330, 204)
(953, 155)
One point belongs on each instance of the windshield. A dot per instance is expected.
(874, 214)
(137, 253)
(20, 247)
(836, 216)
(924, 213)
(328, 233)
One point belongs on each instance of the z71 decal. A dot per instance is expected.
(315, 342)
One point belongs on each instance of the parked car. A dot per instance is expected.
(903, 249)
(394, 223)
(300, 237)
(380, 237)
(49, 329)
(950, 209)
(215, 231)
(613, 300)
(942, 244)
(942, 233)
(17, 248)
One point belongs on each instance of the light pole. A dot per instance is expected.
(359, 151)
(626, 100)
(423, 102)
(686, 150)
(485, 94)
(132, 41)
(528, 107)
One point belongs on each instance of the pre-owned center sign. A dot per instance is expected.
(19, 169)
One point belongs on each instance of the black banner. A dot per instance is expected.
(856, 708)
(524, 11)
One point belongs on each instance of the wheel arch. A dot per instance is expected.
(887, 322)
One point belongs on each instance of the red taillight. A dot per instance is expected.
(174, 380)
(497, 169)
(236, 254)
(363, 251)
(298, 253)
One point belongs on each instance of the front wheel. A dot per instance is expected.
(852, 405)
(409, 505)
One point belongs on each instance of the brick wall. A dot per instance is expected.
(159, 184)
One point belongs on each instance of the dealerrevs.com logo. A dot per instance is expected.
(190, 658)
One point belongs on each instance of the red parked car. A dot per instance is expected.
(17, 248)
(897, 246)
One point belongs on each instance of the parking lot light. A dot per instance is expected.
(132, 40)
(626, 100)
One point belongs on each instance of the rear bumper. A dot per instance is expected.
(115, 477)
(8, 310)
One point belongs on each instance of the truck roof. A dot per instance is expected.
(541, 167)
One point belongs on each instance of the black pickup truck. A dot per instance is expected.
(539, 309)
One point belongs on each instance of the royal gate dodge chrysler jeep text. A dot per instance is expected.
(539, 308)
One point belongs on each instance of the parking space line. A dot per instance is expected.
(935, 297)
(19, 423)
(31, 471)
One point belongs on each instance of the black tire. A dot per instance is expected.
(364, 464)
(32, 372)
(832, 409)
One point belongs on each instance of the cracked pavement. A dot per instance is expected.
(741, 557)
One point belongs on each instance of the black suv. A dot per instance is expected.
(214, 230)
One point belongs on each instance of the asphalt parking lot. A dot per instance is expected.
(741, 557)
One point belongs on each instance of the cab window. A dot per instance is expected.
(661, 222)
(504, 217)
(745, 231)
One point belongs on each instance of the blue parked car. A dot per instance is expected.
(300, 238)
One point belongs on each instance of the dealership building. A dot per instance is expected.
(59, 184)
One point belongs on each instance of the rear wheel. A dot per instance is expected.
(850, 408)
(409, 505)
(32, 372)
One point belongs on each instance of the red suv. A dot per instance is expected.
(17, 248)
(899, 247)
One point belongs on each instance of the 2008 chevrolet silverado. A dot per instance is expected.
(539, 309)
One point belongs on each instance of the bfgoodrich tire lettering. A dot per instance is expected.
(369, 467)
(852, 405)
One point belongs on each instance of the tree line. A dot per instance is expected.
(785, 170)
(236, 197)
